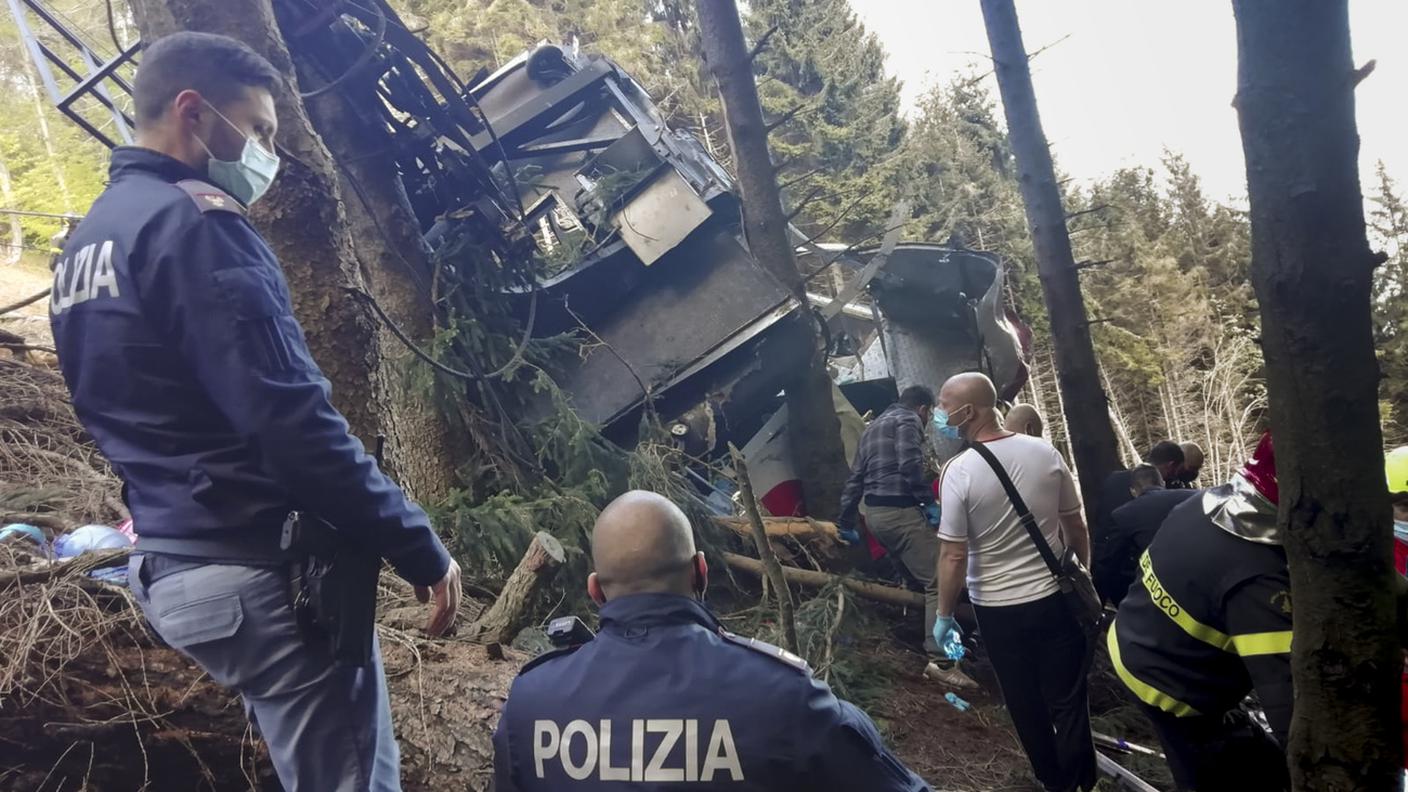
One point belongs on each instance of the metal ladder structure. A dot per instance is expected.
(86, 86)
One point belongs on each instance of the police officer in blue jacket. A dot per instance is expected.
(176, 337)
(664, 696)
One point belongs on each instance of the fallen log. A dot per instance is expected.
(502, 621)
(871, 591)
(795, 527)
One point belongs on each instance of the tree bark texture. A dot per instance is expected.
(814, 431)
(317, 237)
(502, 621)
(806, 577)
(395, 262)
(1312, 267)
(785, 614)
(1086, 408)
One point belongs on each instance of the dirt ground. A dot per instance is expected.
(27, 277)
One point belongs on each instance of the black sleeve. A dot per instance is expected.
(214, 288)
(1259, 623)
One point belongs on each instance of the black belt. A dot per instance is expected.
(156, 566)
(891, 501)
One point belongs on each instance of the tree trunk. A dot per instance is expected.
(317, 236)
(1312, 269)
(10, 251)
(502, 621)
(1091, 436)
(814, 432)
(395, 262)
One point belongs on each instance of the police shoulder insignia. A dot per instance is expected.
(551, 654)
(764, 648)
(208, 198)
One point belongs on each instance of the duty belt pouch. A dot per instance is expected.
(1072, 578)
(333, 588)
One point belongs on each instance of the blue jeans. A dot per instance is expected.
(328, 727)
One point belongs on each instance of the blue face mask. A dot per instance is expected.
(945, 429)
(247, 178)
(1400, 530)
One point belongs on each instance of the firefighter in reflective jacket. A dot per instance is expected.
(1208, 621)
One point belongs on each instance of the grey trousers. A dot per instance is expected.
(913, 541)
(328, 727)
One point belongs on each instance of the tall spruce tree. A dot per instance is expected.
(821, 79)
(1388, 224)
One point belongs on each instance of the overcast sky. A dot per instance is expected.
(1138, 76)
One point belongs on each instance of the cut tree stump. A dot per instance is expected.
(871, 591)
(502, 621)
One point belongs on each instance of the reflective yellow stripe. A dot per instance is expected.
(1166, 603)
(1147, 693)
(1247, 645)
(1266, 643)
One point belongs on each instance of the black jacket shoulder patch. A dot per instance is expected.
(768, 650)
(209, 198)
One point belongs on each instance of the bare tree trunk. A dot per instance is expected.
(814, 432)
(1092, 438)
(1312, 269)
(57, 167)
(10, 252)
(317, 230)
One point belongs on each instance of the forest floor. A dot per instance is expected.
(26, 277)
(90, 701)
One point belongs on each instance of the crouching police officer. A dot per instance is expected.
(1207, 622)
(665, 695)
(176, 337)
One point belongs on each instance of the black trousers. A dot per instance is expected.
(1220, 753)
(1039, 654)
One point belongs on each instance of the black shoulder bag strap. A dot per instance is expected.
(1023, 513)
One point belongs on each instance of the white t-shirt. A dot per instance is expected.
(1004, 567)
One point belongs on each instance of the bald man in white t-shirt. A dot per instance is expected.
(1036, 647)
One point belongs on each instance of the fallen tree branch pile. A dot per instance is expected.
(50, 473)
(90, 699)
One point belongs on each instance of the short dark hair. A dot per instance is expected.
(916, 396)
(1165, 452)
(1144, 478)
(219, 67)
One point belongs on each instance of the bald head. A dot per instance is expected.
(1192, 462)
(970, 400)
(642, 543)
(1023, 419)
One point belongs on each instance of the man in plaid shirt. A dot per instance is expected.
(888, 486)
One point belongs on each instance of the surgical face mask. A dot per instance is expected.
(943, 426)
(1400, 530)
(247, 178)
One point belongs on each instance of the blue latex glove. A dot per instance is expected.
(931, 513)
(949, 636)
(849, 536)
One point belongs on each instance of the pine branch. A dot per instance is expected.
(1092, 210)
(761, 45)
(785, 117)
(1088, 264)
